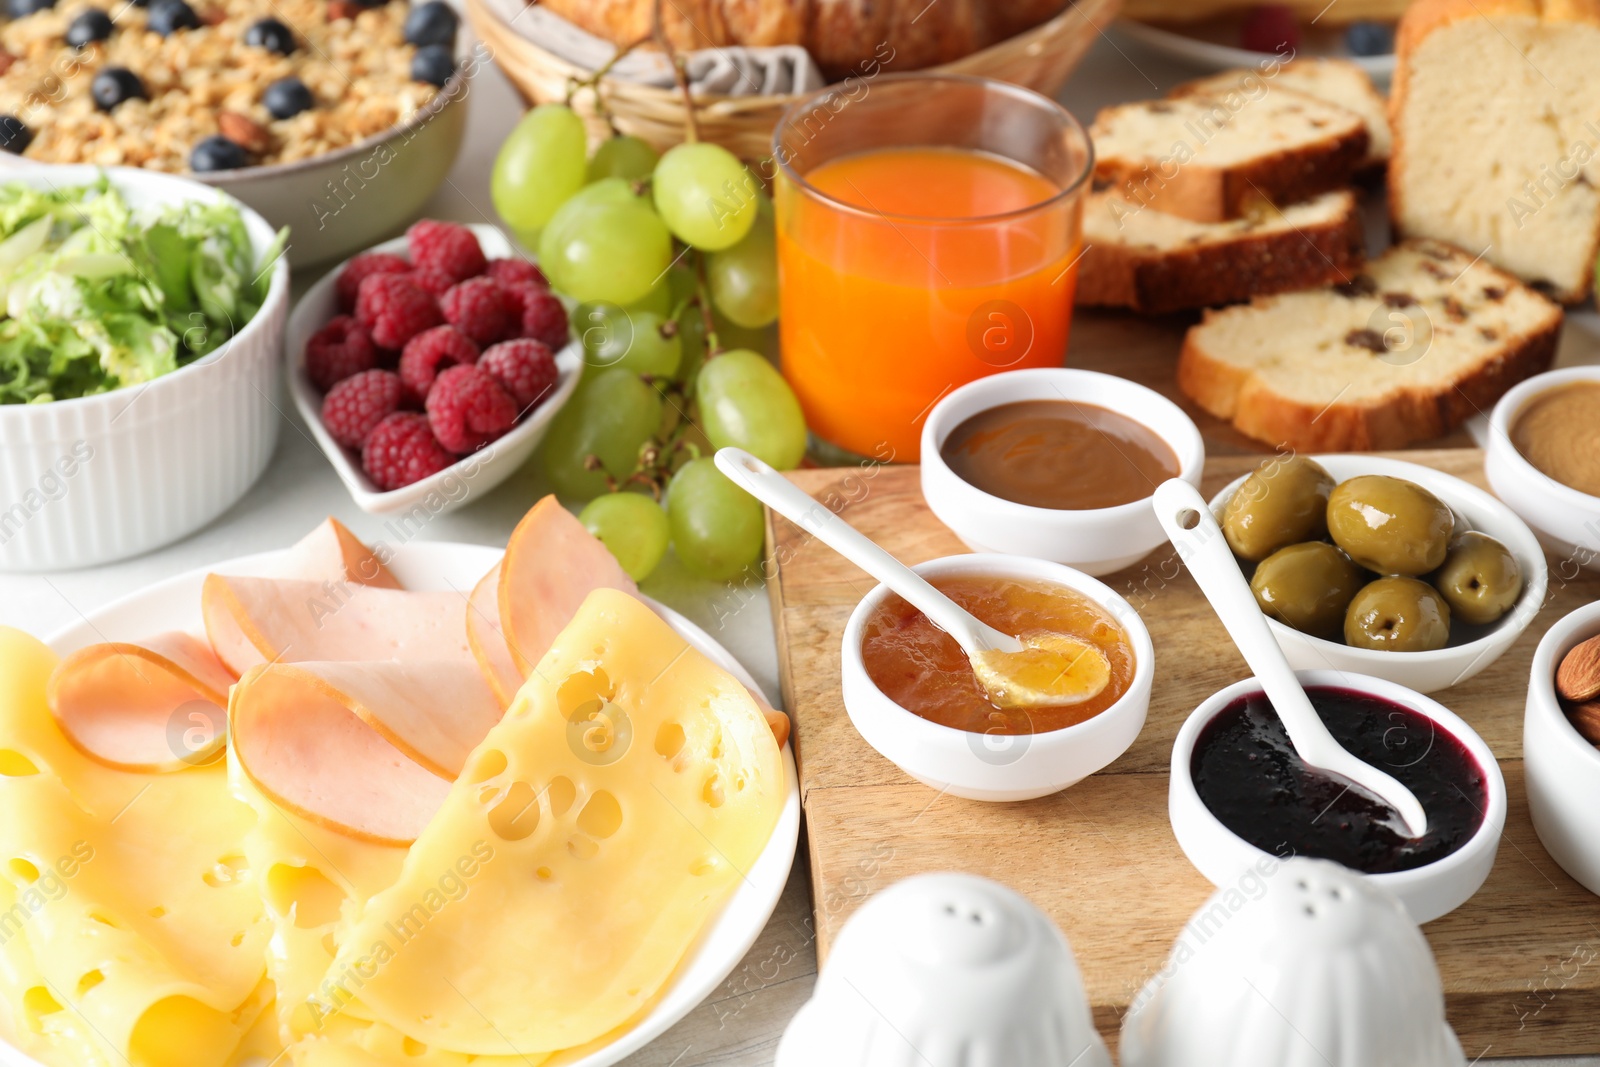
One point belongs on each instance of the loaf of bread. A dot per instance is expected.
(1212, 159)
(1341, 82)
(841, 35)
(1422, 340)
(1154, 263)
(1496, 116)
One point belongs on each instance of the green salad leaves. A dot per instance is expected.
(96, 295)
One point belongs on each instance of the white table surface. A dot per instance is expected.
(740, 1024)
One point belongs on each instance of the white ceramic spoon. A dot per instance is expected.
(1194, 532)
(1047, 670)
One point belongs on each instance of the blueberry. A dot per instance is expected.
(91, 25)
(113, 85)
(434, 64)
(287, 97)
(434, 22)
(167, 17)
(217, 153)
(1369, 39)
(271, 35)
(23, 8)
(15, 137)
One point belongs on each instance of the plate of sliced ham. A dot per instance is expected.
(352, 685)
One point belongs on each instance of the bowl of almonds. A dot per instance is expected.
(1561, 744)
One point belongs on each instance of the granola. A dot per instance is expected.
(206, 83)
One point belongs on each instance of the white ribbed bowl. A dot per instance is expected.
(105, 477)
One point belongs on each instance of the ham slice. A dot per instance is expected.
(265, 620)
(154, 706)
(488, 640)
(331, 553)
(366, 749)
(552, 564)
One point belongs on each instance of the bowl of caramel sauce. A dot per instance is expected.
(1057, 464)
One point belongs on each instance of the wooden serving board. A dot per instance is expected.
(1520, 961)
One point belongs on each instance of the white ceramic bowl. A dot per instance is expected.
(1427, 892)
(1098, 541)
(100, 478)
(989, 766)
(1565, 519)
(1563, 770)
(1479, 646)
(343, 201)
(471, 475)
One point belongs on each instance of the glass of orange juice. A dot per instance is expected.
(929, 228)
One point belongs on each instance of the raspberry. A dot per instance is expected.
(479, 308)
(467, 409)
(431, 351)
(1270, 28)
(516, 272)
(362, 267)
(544, 317)
(447, 247)
(435, 283)
(338, 350)
(524, 368)
(355, 406)
(393, 310)
(402, 450)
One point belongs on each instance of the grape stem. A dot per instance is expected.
(702, 297)
(592, 82)
(680, 73)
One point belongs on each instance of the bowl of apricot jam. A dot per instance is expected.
(912, 695)
(1057, 464)
(1239, 792)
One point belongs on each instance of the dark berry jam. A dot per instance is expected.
(1248, 774)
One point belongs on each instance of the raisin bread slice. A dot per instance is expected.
(1154, 263)
(1496, 115)
(1208, 159)
(1340, 82)
(1424, 339)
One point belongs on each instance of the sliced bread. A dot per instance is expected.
(1496, 116)
(1154, 263)
(1423, 339)
(1211, 159)
(1341, 82)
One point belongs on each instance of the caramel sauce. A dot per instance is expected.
(921, 668)
(1559, 433)
(1059, 454)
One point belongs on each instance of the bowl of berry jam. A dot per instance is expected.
(911, 692)
(1239, 790)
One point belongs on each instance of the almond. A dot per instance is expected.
(243, 131)
(1585, 718)
(1578, 677)
(213, 16)
(6, 59)
(343, 9)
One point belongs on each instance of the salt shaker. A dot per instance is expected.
(1306, 965)
(947, 970)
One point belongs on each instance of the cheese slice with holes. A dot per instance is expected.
(583, 850)
(145, 941)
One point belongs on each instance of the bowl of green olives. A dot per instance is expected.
(1383, 567)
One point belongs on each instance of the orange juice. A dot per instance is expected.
(907, 272)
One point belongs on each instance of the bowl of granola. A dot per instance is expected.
(336, 118)
(141, 334)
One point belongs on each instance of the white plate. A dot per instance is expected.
(175, 604)
(1204, 45)
(479, 472)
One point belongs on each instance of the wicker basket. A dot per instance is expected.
(1042, 59)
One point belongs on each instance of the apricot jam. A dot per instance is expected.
(921, 668)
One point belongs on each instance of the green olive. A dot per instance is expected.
(1398, 615)
(1480, 579)
(1308, 586)
(1390, 525)
(1283, 503)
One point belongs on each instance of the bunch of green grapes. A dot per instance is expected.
(669, 264)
